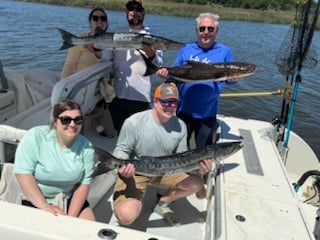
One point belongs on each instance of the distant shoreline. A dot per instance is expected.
(161, 7)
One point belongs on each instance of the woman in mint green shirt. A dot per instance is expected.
(56, 159)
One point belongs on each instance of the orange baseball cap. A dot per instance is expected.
(166, 91)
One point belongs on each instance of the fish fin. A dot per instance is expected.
(67, 39)
(151, 68)
(193, 63)
(66, 45)
(106, 162)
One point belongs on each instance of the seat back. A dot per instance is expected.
(82, 86)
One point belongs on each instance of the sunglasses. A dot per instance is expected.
(96, 18)
(168, 103)
(203, 28)
(65, 120)
(137, 9)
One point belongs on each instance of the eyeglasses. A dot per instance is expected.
(96, 18)
(65, 120)
(203, 28)
(137, 9)
(168, 103)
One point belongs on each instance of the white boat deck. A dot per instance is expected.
(253, 192)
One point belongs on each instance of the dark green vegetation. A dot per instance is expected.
(246, 4)
(268, 11)
(244, 10)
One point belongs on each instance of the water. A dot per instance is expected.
(28, 39)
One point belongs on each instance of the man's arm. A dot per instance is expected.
(124, 148)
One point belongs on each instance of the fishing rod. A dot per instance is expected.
(304, 41)
(296, 51)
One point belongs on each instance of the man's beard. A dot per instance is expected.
(135, 22)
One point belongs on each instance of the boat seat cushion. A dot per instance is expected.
(31, 86)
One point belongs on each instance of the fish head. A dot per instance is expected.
(226, 149)
(241, 69)
(248, 68)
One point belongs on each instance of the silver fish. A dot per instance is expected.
(170, 164)
(111, 40)
(204, 72)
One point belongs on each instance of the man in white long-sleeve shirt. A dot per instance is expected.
(132, 88)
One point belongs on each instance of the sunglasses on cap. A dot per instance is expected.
(168, 103)
(65, 120)
(137, 9)
(96, 18)
(203, 28)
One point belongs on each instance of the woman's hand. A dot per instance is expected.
(54, 209)
(30, 189)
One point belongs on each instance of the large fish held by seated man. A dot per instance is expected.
(168, 165)
(194, 71)
(112, 40)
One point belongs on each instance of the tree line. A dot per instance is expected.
(282, 5)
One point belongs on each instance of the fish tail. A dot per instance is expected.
(66, 45)
(67, 39)
(100, 169)
(151, 68)
(106, 163)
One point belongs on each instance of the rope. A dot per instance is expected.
(279, 92)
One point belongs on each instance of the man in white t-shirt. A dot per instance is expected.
(133, 90)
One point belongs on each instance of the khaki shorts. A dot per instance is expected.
(135, 187)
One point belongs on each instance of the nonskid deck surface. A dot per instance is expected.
(253, 192)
